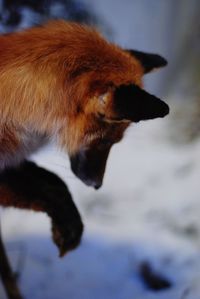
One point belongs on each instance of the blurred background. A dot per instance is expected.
(142, 228)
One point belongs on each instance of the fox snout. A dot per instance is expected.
(89, 166)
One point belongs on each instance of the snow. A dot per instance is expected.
(147, 211)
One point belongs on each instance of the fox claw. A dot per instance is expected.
(67, 237)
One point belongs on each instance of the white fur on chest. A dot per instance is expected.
(29, 142)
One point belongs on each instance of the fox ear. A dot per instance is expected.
(148, 61)
(132, 103)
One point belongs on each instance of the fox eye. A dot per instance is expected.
(101, 116)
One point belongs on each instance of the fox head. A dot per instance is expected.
(108, 97)
(110, 110)
(104, 93)
(67, 81)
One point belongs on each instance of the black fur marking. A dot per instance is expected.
(89, 164)
(148, 61)
(135, 104)
(37, 188)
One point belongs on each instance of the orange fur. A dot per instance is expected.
(49, 74)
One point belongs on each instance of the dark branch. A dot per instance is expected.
(7, 275)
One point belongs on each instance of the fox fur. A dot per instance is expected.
(58, 81)
(42, 75)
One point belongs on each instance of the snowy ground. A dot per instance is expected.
(147, 211)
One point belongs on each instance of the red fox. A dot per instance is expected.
(65, 81)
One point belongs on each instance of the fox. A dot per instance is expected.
(64, 81)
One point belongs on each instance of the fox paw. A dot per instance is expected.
(67, 236)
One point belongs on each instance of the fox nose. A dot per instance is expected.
(97, 185)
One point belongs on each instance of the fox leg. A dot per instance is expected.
(32, 187)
